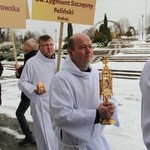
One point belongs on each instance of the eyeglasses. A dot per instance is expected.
(47, 45)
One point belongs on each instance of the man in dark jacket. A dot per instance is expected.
(30, 48)
(1, 71)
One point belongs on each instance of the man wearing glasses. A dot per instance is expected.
(38, 71)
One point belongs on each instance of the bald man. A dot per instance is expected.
(76, 108)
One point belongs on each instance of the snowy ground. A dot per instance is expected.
(127, 137)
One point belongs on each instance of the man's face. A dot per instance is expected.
(83, 52)
(27, 48)
(47, 48)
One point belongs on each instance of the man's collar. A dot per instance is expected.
(52, 56)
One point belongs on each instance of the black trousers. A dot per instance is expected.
(20, 113)
(0, 95)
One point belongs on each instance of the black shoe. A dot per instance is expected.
(34, 142)
(27, 141)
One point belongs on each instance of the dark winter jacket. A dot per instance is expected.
(1, 69)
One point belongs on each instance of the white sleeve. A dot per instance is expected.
(26, 86)
(77, 122)
(145, 103)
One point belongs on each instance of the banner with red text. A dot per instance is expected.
(70, 11)
(13, 13)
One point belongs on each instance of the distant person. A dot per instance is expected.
(34, 82)
(145, 105)
(3, 36)
(1, 72)
(30, 49)
(75, 104)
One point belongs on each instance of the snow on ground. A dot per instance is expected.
(134, 66)
(127, 137)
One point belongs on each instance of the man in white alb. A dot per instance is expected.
(145, 103)
(40, 69)
(76, 108)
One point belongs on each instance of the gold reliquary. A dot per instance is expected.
(106, 90)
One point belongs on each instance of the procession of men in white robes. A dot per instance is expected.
(65, 101)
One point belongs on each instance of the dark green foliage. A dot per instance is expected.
(10, 56)
(128, 33)
(105, 25)
(65, 46)
(2, 57)
(104, 36)
(109, 36)
(6, 51)
(148, 30)
(5, 47)
(70, 33)
(70, 30)
(102, 28)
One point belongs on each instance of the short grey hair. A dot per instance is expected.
(33, 43)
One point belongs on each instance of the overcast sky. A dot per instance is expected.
(114, 9)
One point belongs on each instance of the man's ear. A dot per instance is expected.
(69, 52)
